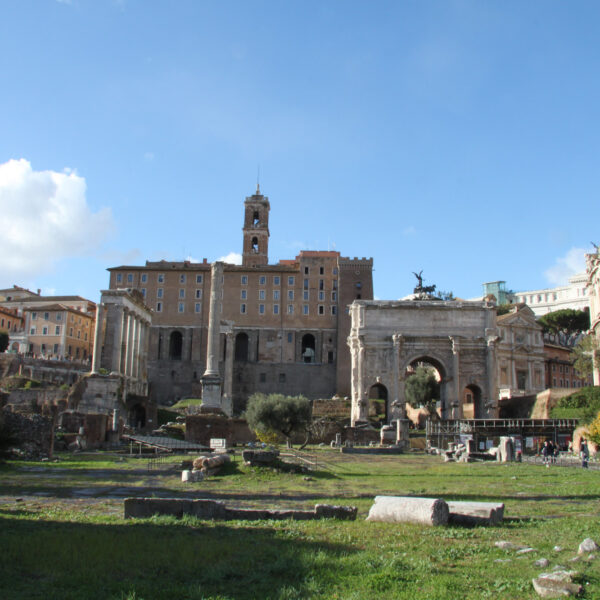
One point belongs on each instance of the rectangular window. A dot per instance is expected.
(55, 349)
(44, 331)
(159, 307)
(32, 331)
(290, 294)
(119, 277)
(144, 277)
(335, 271)
(198, 294)
(334, 310)
(243, 294)
(181, 307)
(70, 332)
(182, 278)
(321, 270)
(306, 270)
(198, 278)
(334, 284)
(305, 295)
(160, 278)
(566, 369)
(321, 296)
(182, 292)
(305, 309)
(34, 315)
(159, 293)
(321, 309)
(306, 284)
(262, 377)
(281, 377)
(59, 317)
(79, 334)
(244, 279)
(57, 330)
(290, 337)
(129, 277)
(276, 280)
(198, 307)
(275, 309)
(85, 336)
(290, 309)
(144, 292)
(291, 280)
(243, 309)
(321, 284)
(334, 296)
(46, 316)
(261, 294)
(262, 280)
(275, 294)
(261, 309)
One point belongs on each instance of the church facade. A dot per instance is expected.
(283, 327)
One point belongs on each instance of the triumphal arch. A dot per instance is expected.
(388, 339)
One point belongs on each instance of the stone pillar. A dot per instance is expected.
(492, 400)
(228, 383)
(126, 345)
(455, 402)
(119, 323)
(97, 352)
(398, 403)
(530, 384)
(211, 380)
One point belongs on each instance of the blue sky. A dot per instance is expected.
(457, 137)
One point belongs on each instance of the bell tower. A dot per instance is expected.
(256, 230)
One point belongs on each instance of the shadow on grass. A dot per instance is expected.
(161, 558)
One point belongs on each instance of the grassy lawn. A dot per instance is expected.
(62, 534)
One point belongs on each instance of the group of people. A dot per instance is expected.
(550, 453)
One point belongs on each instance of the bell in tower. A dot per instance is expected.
(256, 230)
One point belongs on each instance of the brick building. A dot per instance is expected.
(560, 372)
(283, 327)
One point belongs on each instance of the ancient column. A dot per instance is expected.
(119, 324)
(211, 380)
(492, 402)
(228, 383)
(397, 402)
(455, 402)
(97, 351)
(126, 344)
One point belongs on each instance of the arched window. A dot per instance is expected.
(175, 345)
(255, 218)
(255, 245)
(241, 347)
(308, 348)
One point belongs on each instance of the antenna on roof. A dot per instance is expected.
(258, 180)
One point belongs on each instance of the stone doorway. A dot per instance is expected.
(472, 407)
(378, 400)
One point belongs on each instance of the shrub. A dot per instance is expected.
(584, 404)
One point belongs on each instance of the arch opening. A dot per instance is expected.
(308, 348)
(377, 409)
(472, 406)
(175, 345)
(137, 416)
(427, 391)
(241, 347)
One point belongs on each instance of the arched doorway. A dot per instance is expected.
(472, 407)
(137, 416)
(241, 347)
(175, 345)
(308, 348)
(430, 394)
(377, 410)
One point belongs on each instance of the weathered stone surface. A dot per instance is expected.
(259, 457)
(214, 509)
(526, 550)
(542, 562)
(508, 546)
(475, 513)
(588, 545)
(549, 588)
(399, 509)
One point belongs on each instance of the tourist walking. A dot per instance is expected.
(584, 454)
(546, 453)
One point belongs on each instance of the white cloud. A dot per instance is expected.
(44, 217)
(570, 264)
(410, 230)
(233, 258)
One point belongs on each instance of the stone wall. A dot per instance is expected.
(201, 428)
(95, 426)
(32, 433)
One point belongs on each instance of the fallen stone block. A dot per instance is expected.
(332, 511)
(475, 513)
(556, 584)
(588, 545)
(407, 509)
(143, 508)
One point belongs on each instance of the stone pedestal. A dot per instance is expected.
(211, 394)
(402, 437)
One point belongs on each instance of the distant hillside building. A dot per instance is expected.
(281, 327)
(574, 296)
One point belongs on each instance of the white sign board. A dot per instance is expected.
(218, 443)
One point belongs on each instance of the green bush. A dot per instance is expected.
(182, 404)
(583, 405)
(166, 416)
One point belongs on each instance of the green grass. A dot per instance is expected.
(67, 546)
